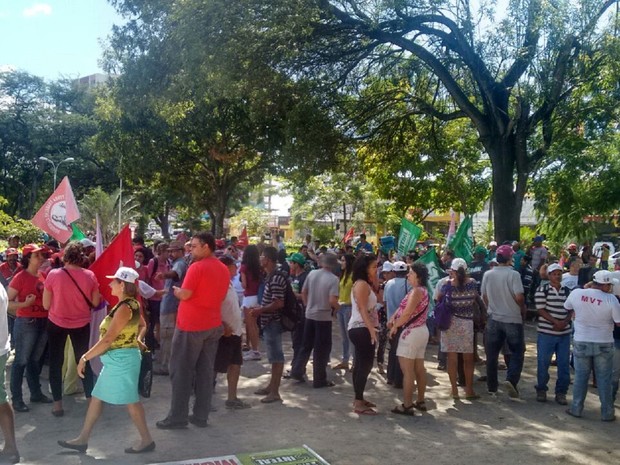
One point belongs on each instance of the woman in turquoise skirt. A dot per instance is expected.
(119, 349)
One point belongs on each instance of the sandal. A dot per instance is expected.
(420, 405)
(262, 392)
(402, 410)
(365, 411)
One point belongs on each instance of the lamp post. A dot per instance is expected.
(56, 166)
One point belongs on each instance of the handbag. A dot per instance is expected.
(400, 330)
(145, 381)
(90, 304)
(443, 313)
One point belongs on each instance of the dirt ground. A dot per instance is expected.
(487, 431)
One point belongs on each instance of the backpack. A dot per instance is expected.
(292, 312)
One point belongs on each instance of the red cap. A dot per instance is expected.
(11, 251)
(505, 251)
(220, 244)
(32, 248)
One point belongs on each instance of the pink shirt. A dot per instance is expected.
(69, 308)
(157, 284)
(421, 308)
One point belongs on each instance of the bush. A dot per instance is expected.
(23, 228)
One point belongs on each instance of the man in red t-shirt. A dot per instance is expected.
(196, 337)
(12, 266)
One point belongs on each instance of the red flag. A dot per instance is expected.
(58, 212)
(242, 241)
(119, 253)
(349, 235)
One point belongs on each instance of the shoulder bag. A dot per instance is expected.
(443, 312)
(90, 304)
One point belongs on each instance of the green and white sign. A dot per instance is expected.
(409, 234)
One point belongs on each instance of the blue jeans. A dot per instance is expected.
(498, 333)
(30, 340)
(547, 346)
(601, 357)
(344, 315)
(615, 375)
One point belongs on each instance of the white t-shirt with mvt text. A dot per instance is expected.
(595, 314)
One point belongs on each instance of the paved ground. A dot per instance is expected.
(489, 431)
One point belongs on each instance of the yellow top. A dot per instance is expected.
(128, 337)
(344, 290)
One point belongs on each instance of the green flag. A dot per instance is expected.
(409, 234)
(435, 272)
(77, 233)
(463, 241)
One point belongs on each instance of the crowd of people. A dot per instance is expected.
(192, 302)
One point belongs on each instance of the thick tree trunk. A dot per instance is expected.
(506, 202)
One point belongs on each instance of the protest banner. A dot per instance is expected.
(58, 212)
(435, 273)
(294, 456)
(409, 234)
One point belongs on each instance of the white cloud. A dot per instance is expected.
(37, 9)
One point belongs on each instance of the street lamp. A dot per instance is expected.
(56, 166)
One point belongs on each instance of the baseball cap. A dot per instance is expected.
(492, 243)
(32, 248)
(538, 239)
(458, 263)
(11, 251)
(480, 249)
(124, 273)
(604, 277)
(86, 242)
(387, 267)
(297, 258)
(399, 266)
(505, 251)
(554, 267)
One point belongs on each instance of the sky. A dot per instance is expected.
(54, 38)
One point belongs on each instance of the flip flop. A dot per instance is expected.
(367, 403)
(474, 397)
(271, 400)
(365, 411)
(262, 392)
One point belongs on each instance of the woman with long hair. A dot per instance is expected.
(344, 312)
(251, 275)
(70, 293)
(25, 294)
(119, 347)
(363, 326)
(410, 319)
(461, 292)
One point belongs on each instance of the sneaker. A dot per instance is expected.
(512, 390)
(561, 399)
(441, 367)
(541, 396)
(237, 404)
(341, 366)
(251, 355)
(492, 394)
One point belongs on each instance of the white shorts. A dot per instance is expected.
(250, 301)
(413, 345)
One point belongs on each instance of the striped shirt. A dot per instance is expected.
(552, 300)
(275, 289)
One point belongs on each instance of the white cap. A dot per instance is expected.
(399, 266)
(458, 263)
(86, 242)
(554, 267)
(604, 277)
(387, 267)
(124, 273)
(492, 243)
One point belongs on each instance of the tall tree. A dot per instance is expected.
(209, 125)
(509, 71)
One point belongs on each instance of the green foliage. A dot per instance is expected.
(256, 220)
(485, 234)
(98, 202)
(323, 233)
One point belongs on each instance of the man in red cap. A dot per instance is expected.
(11, 266)
(503, 294)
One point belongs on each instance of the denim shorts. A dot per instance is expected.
(272, 337)
(4, 398)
